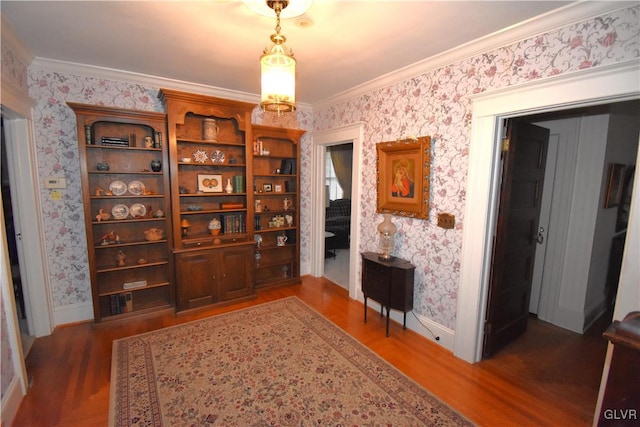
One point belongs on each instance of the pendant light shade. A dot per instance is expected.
(278, 69)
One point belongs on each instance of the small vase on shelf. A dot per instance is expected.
(229, 187)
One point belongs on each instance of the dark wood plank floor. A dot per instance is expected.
(550, 377)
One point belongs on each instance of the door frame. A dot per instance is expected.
(606, 84)
(320, 141)
(35, 280)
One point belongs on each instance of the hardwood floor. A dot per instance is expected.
(537, 382)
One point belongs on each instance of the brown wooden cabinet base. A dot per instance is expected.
(212, 276)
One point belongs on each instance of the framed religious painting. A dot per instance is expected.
(403, 177)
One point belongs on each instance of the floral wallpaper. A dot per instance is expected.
(13, 69)
(7, 372)
(434, 103)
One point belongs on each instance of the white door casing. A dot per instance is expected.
(321, 140)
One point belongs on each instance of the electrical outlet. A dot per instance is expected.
(446, 221)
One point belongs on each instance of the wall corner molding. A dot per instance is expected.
(567, 15)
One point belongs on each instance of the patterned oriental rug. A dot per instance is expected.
(275, 364)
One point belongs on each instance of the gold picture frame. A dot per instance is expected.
(210, 183)
(403, 177)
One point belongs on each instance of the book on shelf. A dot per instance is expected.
(232, 206)
(233, 223)
(238, 184)
(109, 140)
(288, 167)
(87, 135)
(121, 303)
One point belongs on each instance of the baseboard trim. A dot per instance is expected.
(422, 325)
(11, 401)
(72, 314)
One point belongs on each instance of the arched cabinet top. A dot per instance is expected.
(179, 104)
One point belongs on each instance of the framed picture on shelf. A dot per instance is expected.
(403, 177)
(210, 183)
(277, 188)
(267, 188)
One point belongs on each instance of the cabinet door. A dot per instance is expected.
(237, 271)
(197, 281)
(376, 280)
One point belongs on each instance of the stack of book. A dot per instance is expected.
(112, 140)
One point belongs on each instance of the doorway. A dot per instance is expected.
(577, 261)
(321, 140)
(338, 205)
(606, 84)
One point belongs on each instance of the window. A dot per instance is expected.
(335, 191)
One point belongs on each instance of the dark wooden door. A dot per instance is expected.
(197, 282)
(237, 271)
(523, 164)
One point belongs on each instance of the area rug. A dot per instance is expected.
(276, 364)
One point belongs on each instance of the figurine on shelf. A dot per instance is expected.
(120, 256)
(103, 216)
(109, 239)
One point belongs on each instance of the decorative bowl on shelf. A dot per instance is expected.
(194, 208)
(102, 166)
(185, 159)
(153, 234)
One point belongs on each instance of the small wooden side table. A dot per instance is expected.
(388, 282)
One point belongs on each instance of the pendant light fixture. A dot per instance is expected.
(278, 69)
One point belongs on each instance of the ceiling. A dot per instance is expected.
(218, 42)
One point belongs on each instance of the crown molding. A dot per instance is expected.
(567, 15)
(13, 43)
(46, 64)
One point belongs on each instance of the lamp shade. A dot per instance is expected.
(278, 70)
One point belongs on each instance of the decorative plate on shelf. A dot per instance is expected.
(118, 188)
(200, 156)
(120, 211)
(136, 188)
(217, 156)
(137, 209)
